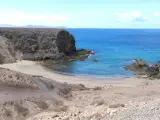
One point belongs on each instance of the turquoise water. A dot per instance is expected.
(114, 49)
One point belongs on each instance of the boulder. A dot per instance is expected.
(95, 60)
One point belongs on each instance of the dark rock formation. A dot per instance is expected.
(95, 60)
(140, 67)
(39, 43)
(81, 54)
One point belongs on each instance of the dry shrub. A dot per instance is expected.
(21, 110)
(41, 104)
(60, 108)
(7, 113)
(58, 102)
(97, 88)
(64, 92)
(98, 102)
(116, 105)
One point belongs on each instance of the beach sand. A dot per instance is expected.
(33, 68)
(106, 99)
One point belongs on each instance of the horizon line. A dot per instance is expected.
(69, 27)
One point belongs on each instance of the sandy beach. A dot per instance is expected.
(33, 68)
(111, 99)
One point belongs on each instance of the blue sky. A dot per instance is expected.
(82, 14)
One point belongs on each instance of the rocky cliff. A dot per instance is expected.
(37, 43)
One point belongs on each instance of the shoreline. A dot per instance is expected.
(31, 91)
(92, 99)
(96, 77)
(33, 68)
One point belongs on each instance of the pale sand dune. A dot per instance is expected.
(23, 95)
(33, 68)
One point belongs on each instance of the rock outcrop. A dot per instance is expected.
(39, 43)
(5, 51)
(141, 67)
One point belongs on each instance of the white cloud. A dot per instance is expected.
(22, 18)
(156, 14)
(134, 16)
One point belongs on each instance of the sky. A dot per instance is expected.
(82, 13)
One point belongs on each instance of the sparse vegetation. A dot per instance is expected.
(97, 88)
(8, 113)
(98, 102)
(116, 105)
(41, 104)
(60, 108)
(21, 110)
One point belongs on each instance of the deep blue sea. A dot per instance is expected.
(114, 49)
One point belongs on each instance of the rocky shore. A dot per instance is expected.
(25, 95)
(39, 44)
(141, 67)
(42, 98)
(29, 91)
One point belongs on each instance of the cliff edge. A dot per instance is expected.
(36, 43)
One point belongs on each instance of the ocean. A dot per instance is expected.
(114, 49)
